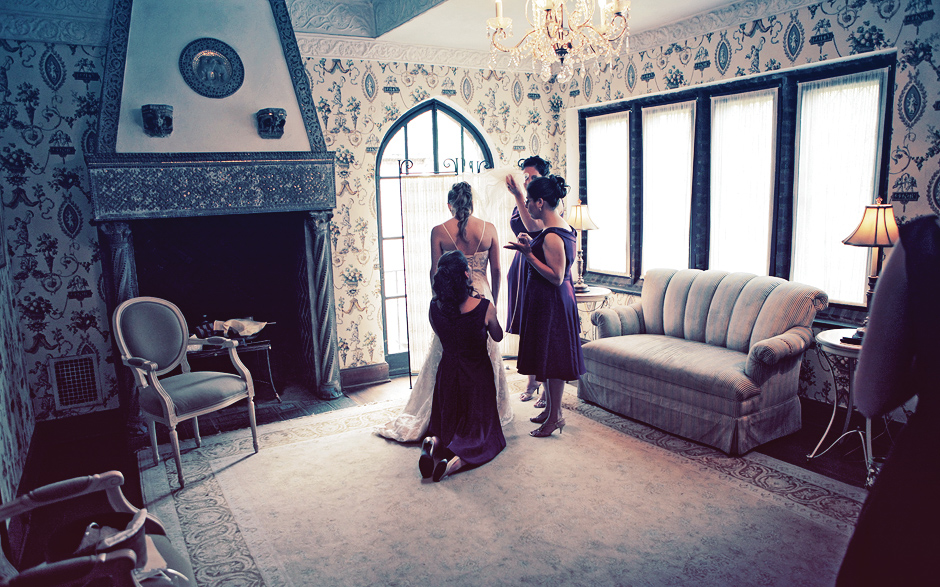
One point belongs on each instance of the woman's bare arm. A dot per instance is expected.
(437, 250)
(554, 248)
(492, 324)
(531, 224)
(496, 274)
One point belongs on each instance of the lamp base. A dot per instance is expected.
(581, 287)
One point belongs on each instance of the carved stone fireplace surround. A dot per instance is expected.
(140, 186)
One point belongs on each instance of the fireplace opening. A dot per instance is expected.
(229, 267)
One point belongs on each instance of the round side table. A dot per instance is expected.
(831, 347)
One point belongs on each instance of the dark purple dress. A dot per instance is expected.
(515, 278)
(550, 340)
(463, 410)
(897, 534)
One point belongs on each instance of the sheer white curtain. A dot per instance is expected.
(840, 122)
(667, 185)
(607, 161)
(424, 206)
(742, 181)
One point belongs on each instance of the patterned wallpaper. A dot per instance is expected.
(16, 417)
(358, 100)
(50, 98)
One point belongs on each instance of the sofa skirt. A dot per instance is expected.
(732, 434)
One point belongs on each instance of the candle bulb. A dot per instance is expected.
(499, 8)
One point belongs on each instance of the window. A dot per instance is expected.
(742, 181)
(667, 185)
(417, 162)
(838, 153)
(765, 174)
(608, 182)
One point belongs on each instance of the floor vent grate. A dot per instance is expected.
(75, 381)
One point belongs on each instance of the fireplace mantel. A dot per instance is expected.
(132, 186)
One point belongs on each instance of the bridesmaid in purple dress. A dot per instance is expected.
(550, 344)
(464, 430)
(519, 222)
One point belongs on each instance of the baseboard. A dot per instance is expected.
(354, 377)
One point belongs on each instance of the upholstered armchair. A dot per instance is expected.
(152, 338)
(57, 549)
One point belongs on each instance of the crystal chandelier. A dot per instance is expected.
(569, 38)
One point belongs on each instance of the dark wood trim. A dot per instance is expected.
(355, 377)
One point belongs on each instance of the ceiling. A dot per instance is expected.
(461, 24)
(444, 32)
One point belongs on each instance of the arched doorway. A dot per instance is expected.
(430, 141)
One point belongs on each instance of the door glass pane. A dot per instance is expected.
(742, 181)
(421, 143)
(448, 142)
(396, 326)
(667, 185)
(390, 197)
(840, 129)
(393, 153)
(472, 150)
(608, 184)
(393, 264)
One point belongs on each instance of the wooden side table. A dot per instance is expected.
(831, 347)
(243, 348)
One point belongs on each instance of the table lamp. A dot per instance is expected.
(877, 229)
(579, 219)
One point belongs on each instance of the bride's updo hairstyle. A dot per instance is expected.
(452, 284)
(551, 189)
(460, 199)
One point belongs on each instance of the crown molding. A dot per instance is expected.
(713, 21)
(318, 46)
(90, 28)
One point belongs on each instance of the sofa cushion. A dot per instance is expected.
(675, 362)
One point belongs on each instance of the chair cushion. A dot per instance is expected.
(195, 391)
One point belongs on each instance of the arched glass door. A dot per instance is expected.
(430, 140)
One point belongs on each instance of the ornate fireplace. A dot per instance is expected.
(293, 190)
(150, 194)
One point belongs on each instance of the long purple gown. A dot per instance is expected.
(515, 278)
(550, 341)
(463, 411)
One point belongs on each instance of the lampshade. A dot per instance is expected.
(877, 228)
(579, 218)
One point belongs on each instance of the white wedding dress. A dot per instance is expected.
(411, 424)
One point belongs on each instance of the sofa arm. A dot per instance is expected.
(619, 320)
(765, 355)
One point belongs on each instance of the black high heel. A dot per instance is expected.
(547, 428)
(540, 418)
(426, 460)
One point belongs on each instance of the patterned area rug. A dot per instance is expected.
(609, 502)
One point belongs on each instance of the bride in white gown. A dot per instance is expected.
(478, 240)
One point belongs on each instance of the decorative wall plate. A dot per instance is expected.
(211, 68)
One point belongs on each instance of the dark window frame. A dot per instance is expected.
(787, 84)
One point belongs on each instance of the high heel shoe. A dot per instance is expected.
(445, 467)
(529, 393)
(426, 460)
(547, 428)
(542, 402)
(540, 418)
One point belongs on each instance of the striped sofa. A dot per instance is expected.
(708, 355)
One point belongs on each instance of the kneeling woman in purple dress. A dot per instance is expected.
(549, 343)
(464, 430)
